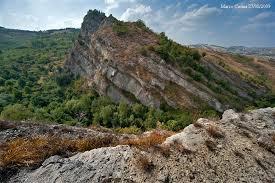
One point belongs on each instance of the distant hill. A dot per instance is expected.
(262, 52)
(14, 38)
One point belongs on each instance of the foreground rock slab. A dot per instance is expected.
(237, 148)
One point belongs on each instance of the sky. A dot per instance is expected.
(221, 22)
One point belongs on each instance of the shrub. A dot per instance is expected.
(195, 54)
(64, 79)
(106, 114)
(182, 121)
(140, 23)
(2, 81)
(16, 112)
(209, 113)
(144, 163)
(120, 28)
(197, 76)
(144, 51)
(129, 130)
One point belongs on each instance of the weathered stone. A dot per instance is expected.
(233, 158)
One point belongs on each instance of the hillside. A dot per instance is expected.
(151, 80)
(267, 53)
(128, 61)
(34, 86)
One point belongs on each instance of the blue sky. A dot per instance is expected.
(186, 21)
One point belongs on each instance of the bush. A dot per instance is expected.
(64, 79)
(180, 122)
(2, 81)
(106, 115)
(16, 112)
(120, 28)
(140, 23)
(144, 51)
(129, 130)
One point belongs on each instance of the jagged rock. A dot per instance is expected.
(236, 157)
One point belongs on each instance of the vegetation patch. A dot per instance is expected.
(144, 163)
(147, 141)
(34, 150)
(121, 28)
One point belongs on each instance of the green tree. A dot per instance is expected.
(16, 112)
(106, 114)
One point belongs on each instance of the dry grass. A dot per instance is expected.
(214, 131)
(211, 145)
(144, 163)
(147, 141)
(34, 150)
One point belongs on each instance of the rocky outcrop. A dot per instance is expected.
(237, 148)
(114, 65)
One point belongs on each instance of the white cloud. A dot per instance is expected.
(186, 21)
(200, 13)
(261, 22)
(259, 27)
(113, 4)
(261, 16)
(135, 13)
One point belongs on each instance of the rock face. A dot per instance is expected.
(114, 65)
(237, 148)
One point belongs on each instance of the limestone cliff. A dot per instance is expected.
(115, 66)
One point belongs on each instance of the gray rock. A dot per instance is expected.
(234, 158)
